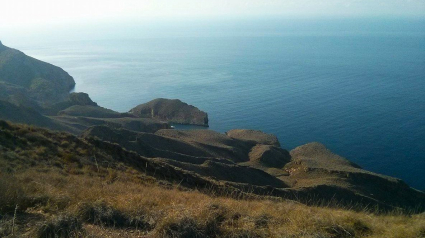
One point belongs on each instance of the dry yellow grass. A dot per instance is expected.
(143, 208)
(60, 186)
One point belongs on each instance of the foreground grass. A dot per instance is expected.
(123, 203)
(56, 185)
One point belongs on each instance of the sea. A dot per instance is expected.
(355, 85)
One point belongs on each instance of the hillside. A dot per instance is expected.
(33, 79)
(309, 171)
(62, 186)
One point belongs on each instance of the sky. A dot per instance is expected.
(21, 13)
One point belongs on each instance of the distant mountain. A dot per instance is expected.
(33, 80)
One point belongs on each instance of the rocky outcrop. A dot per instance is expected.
(42, 82)
(81, 99)
(171, 110)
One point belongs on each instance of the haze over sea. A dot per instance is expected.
(355, 85)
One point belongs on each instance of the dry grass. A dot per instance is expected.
(134, 207)
(63, 187)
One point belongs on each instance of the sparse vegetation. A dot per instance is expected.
(65, 187)
(137, 207)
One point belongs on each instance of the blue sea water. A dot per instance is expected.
(356, 86)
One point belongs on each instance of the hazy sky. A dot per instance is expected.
(41, 12)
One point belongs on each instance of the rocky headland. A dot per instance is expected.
(173, 111)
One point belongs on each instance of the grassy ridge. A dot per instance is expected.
(56, 185)
(113, 202)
